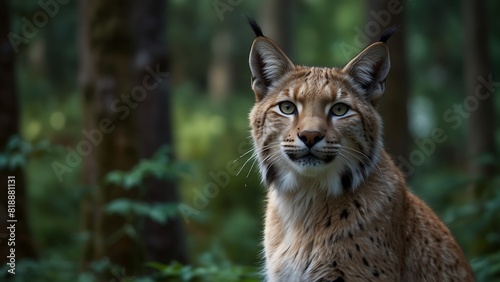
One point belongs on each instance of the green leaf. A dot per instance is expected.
(157, 215)
(25, 148)
(114, 177)
(119, 206)
(4, 160)
(141, 209)
(159, 212)
(156, 265)
(130, 230)
(143, 279)
(13, 143)
(159, 166)
(130, 181)
(16, 160)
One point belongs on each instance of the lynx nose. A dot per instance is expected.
(310, 137)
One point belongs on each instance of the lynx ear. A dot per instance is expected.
(268, 64)
(369, 70)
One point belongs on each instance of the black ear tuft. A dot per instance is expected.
(255, 26)
(388, 33)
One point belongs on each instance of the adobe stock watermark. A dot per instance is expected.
(372, 30)
(223, 6)
(455, 117)
(122, 107)
(31, 26)
(219, 180)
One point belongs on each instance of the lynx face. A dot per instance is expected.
(316, 125)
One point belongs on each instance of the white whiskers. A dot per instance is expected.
(254, 156)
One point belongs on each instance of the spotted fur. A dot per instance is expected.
(338, 209)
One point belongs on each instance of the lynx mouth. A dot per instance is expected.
(310, 159)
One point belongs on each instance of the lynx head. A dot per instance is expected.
(316, 127)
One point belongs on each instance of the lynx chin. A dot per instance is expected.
(338, 208)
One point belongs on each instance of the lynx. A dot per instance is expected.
(338, 208)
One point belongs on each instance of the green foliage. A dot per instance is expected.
(160, 167)
(41, 271)
(62, 270)
(478, 221)
(211, 136)
(213, 266)
(487, 268)
(472, 220)
(17, 152)
(157, 212)
(210, 273)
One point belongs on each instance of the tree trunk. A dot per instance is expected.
(481, 129)
(220, 72)
(482, 121)
(9, 124)
(393, 106)
(277, 23)
(164, 242)
(110, 121)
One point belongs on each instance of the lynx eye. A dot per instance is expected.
(339, 109)
(287, 107)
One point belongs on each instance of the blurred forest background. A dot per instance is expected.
(125, 125)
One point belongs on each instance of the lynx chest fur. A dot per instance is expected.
(338, 209)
